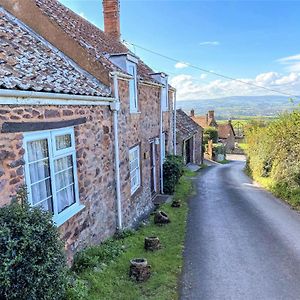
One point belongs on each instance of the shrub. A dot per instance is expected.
(210, 133)
(32, 262)
(172, 170)
(273, 152)
(219, 149)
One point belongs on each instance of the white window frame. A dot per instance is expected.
(164, 98)
(50, 135)
(133, 99)
(137, 170)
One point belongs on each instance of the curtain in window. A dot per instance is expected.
(63, 141)
(39, 172)
(64, 181)
(134, 169)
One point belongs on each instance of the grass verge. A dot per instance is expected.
(279, 190)
(105, 268)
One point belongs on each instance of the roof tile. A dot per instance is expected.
(185, 126)
(28, 62)
(90, 37)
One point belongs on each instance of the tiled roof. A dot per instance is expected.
(225, 130)
(28, 62)
(201, 120)
(90, 37)
(185, 126)
(204, 121)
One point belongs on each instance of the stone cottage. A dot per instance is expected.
(85, 124)
(227, 136)
(189, 138)
(226, 132)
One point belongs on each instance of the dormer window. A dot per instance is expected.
(128, 63)
(162, 78)
(164, 98)
(133, 97)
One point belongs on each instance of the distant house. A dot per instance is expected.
(189, 137)
(225, 131)
(227, 135)
(205, 121)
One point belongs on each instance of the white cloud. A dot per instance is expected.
(210, 43)
(191, 88)
(203, 76)
(181, 65)
(292, 63)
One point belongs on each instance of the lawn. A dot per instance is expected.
(105, 268)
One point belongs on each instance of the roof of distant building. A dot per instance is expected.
(225, 130)
(185, 125)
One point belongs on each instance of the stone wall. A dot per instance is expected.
(197, 143)
(95, 161)
(138, 129)
(94, 149)
(198, 148)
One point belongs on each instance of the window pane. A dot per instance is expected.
(64, 182)
(39, 170)
(134, 169)
(41, 191)
(63, 141)
(37, 150)
(131, 70)
(46, 204)
(132, 94)
(132, 88)
(65, 198)
(64, 179)
(63, 163)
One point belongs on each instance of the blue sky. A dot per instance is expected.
(258, 41)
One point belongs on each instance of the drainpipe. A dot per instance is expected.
(174, 124)
(161, 146)
(115, 107)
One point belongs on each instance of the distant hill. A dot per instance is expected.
(239, 106)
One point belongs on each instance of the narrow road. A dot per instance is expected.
(241, 242)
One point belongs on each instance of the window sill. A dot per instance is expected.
(68, 214)
(135, 112)
(136, 192)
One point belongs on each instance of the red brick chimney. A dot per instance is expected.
(211, 114)
(111, 12)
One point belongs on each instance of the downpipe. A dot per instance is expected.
(174, 124)
(115, 107)
(160, 139)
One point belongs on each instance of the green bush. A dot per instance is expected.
(210, 133)
(273, 153)
(172, 170)
(32, 261)
(219, 149)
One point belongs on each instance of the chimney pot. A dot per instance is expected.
(111, 12)
(192, 113)
(211, 114)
